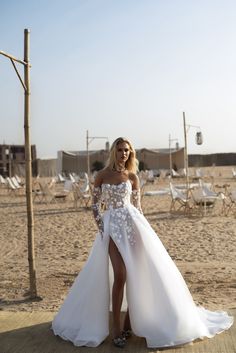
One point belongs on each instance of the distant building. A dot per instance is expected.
(12, 159)
(76, 162)
(157, 159)
(205, 160)
(47, 167)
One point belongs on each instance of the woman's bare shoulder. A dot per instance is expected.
(100, 176)
(134, 180)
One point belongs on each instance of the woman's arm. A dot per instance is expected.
(96, 203)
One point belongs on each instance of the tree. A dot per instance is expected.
(97, 165)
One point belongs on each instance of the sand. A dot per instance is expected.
(203, 248)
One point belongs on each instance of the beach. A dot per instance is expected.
(203, 247)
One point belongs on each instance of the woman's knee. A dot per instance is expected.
(117, 264)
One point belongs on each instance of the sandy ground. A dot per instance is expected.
(204, 248)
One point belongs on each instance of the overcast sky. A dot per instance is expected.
(121, 68)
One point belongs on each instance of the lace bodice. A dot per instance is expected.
(116, 196)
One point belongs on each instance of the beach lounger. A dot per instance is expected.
(179, 200)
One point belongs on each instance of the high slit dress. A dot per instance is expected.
(161, 307)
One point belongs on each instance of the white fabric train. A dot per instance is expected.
(160, 305)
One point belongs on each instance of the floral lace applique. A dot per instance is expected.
(117, 199)
(136, 199)
(96, 207)
(116, 196)
(121, 224)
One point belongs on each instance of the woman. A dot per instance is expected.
(161, 308)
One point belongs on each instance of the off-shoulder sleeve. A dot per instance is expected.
(96, 207)
(136, 199)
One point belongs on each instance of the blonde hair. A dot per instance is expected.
(131, 164)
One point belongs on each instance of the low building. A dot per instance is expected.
(206, 160)
(12, 159)
(76, 162)
(157, 159)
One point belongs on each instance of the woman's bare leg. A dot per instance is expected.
(127, 325)
(118, 286)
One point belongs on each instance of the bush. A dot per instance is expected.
(97, 165)
(142, 166)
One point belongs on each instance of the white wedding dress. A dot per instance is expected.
(160, 305)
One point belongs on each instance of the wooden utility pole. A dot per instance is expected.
(28, 170)
(185, 153)
(88, 140)
(199, 140)
(88, 157)
(28, 159)
(170, 154)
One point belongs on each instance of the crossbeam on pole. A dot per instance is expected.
(15, 59)
(18, 74)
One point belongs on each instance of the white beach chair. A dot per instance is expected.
(45, 193)
(174, 174)
(163, 174)
(68, 186)
(60, 178)
(234, 172)
(142, 184)
(93, 176)
(229, 203)
(199, 173)
(208, 189)
(3, 182)
(182, 172)
(16, 183)
(212, 173)
(232, 197)
(72, 178)
(77, 177)
(65, 193)
(205, 198)
(82, 194)
(12, 187)
(19, 180)
(179, 200)
(150, 176)
(43, 190)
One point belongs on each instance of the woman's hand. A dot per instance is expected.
(101, 227)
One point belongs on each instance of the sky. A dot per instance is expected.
(121, 68)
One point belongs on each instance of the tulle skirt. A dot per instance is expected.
(161, 307)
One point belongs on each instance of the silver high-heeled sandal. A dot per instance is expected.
(119, 341)
(126, 333)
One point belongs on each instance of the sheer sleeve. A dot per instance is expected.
(96, 207)
(136, 199)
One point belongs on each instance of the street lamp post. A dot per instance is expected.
(198, 141)
(89, 139)
(170, 154)
(7, 158)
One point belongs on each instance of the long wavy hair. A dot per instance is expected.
(131, 164)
